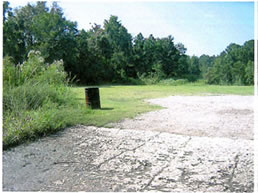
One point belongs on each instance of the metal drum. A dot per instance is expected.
(92, 98)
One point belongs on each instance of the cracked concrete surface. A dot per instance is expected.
(84, 158)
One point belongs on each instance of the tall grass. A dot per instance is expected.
(35, 95)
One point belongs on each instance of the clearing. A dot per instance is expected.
(197, 143)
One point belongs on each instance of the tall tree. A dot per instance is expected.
(36, 27)
(138, 55)
(121, 43)
(233, 66)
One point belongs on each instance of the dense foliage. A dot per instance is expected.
(235, 65)
(109, 53)
(34, 95)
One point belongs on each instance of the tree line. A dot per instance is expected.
(109, 53)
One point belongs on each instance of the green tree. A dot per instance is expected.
(249, 73)
(205, 62)
(194, 68)
(121, 44)
(149, 50)
(36, 27)
(138, 55)
(233, 66)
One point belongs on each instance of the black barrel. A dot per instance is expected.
(92, 98)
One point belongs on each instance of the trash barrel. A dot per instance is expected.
(92, 98)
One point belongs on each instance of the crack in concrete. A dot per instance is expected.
(154, 176)
(236, 160)
(115, 156)
(163, 168)
(187, 141)
(66, 162)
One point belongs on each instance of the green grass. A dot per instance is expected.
(119, 102)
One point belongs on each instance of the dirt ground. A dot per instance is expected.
(212, 116)
(197, 143)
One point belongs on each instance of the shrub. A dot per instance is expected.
(54, 74)
(173, 82)
(133, 81)
(151, 78)
(34, 94)
(191, 77)
(10, 72)
(16, 75)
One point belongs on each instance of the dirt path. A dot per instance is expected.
(136, 159)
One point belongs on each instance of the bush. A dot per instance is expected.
(173, 82)
(16, 75)
(199, 82)
(191, 77)
(151, 78)
(54, 74)
(10, 72)
(133, 81)
(34, 94)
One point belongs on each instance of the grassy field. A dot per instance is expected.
(119, 102)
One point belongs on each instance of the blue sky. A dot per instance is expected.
(203, 27)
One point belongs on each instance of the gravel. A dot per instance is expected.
(212, 116)
(198, 143)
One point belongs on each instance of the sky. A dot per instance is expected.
(203, 27)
